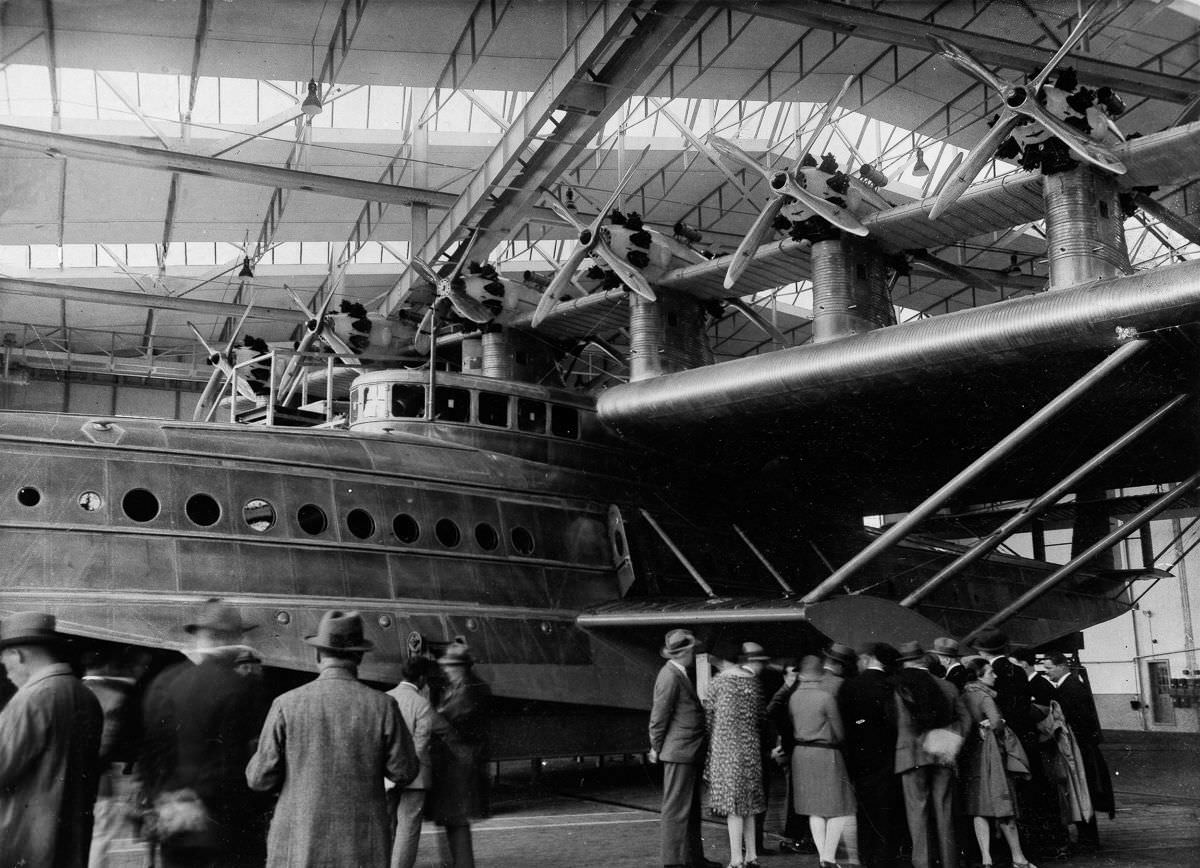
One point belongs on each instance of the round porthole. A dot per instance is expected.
(405, 528)
(259, 515)
(90, 501)
(360, 523)
(140, 505)
(447, 533)
(486, 536)
(311, 519)
(202, 510)
(29, 496)
(522, 541)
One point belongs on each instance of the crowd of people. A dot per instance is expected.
(937, 756)
(333, 772)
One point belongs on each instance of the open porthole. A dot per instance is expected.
(259, 515)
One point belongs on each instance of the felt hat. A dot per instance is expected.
(216, 614)
(340, 631)
(946, 646)
(456, 654)
(752, 652)
(678, 642)
(910, 651)
(29, 628)
(991, 641)
(840, 653)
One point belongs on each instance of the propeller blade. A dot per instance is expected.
(241, 322)
(223, 366)
(970, 65)
(826, 117)
(967, 276)
(728, 149)
(1084, 147)
(1178, 223)
(1077, 33)
(562, 278)
(466, 306)
(974, 162)
(835, 214)
(749, 244)
(425, 271)
(629, 275)
(290, 379)
(204, 406)
(949, 173)
(598, 220)
(564, 212)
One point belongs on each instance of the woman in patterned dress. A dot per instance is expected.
(735, 710)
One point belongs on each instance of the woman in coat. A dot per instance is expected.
(459, 754)
(987, 788)
(735, 710)
(821, 786)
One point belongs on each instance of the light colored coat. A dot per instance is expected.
(327, 746)
(421, 721)
(49, 749)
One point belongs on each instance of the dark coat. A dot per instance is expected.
(1014, 700)
(781, 718)
(868, 711)
(1075, 699)
(327, 747)
(49, 749)
(460, 753)
(957, 675)
(677, 725)
(910, 752)
(201, 722)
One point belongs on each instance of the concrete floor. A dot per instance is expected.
(576, 814)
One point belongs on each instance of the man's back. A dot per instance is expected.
(49, 748)
(327, 747)
(867, 706)
(677, 724)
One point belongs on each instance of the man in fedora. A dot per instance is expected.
(326, 748)
(49, 749)
(947, 652)
(838, 662)
(200, 720)
(677, 740)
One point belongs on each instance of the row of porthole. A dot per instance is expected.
(142, 506)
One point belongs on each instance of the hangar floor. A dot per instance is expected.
(578, 814)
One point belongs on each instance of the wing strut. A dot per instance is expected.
(1036, 506)
(984, 462)
(705, 586)
(787, 589)
(1068, 569)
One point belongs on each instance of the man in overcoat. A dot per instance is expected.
(947, 651)
(200, 720)
(1079, 709)
(677, 740)
(326, 748)
(867, 705)
(419, 717)
(49, 750)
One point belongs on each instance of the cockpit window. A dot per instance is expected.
(531, 415)
(493, 409)
(408, 401)
(452, 405)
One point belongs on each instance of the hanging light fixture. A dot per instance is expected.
(571, 200)
(312, 103)
(246, 271)
(920, 170)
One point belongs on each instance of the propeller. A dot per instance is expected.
(1020, 104)
(220, 362)
(591, 240)
(784, 183)
(290, 380)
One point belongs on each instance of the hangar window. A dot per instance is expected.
(90, 501)
(452, 405)
(408, 401)
(29, 496)
(486, 536)
(447, 533)
(311, 519)
(522, 541)
(360, 523)
(202, 510)
(405, 528)
(140, 505)
(531, 415)
(493, 409)
(259, 515)
(564, 421)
